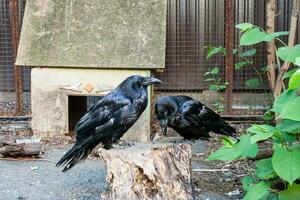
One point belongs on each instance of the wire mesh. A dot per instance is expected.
(7, 95)
(25, 71)
(191, 26)
(250, 98)
(8, 75)
(194, 24)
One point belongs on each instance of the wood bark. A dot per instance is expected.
(8, 138)
(24, 149)
(149, 171)
(291, 41)
(271, 59)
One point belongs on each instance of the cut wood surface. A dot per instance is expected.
(148, 171)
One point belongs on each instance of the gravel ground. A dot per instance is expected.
(40, 179)
(26, 179)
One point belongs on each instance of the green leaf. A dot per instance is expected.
(270, 196)
(289, 126)
(292, 193)
(260, 137)
(288, 137)
(247, 149)
(262, 132)
(234, 51)
(225, 153)
(214, 50)
(255, 128)
(253, 36)
(289, 54)
(254, 82)
(227, 141)
(264, 69)
(209, 79)
(213, 88)
(295, 80)
(297, 61)
(215, 70)
(271, 36)
(289, 73)
(239, 65)
(264, 169)
(286, 163)
(207, 73)
(280, 33)
(279, 136)
(248, 53)
(247, 182)
(222, 87)
(257, 191)
(285, 97)
(291, 110)
(244, 26)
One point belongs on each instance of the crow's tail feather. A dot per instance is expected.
(78, 153)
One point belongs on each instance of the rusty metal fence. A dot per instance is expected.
(14, 81)
(191, 26)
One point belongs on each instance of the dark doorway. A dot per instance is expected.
(77, 108)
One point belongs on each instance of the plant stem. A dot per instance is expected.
(258, 73)
(291, 41)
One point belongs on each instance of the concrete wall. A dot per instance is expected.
(50, 88)
(89, 33)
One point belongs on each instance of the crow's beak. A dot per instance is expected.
(150, 81)
(164, 126)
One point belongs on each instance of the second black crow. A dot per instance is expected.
(109, 119)
(190, 118)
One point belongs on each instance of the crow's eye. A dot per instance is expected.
(137, 84)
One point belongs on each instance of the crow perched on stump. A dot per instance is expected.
(109, 119)
(190, 118)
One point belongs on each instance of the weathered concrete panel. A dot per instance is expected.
(50, 88)
(89, 33)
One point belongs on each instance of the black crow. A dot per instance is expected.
(190, 118)
(108, 120)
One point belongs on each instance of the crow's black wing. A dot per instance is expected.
(196, 112)
(201, 116)
(100, 114)
(98, 125)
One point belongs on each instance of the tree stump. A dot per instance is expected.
(148, 171)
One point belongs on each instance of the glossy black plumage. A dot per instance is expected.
(190, 118)
(109, 119)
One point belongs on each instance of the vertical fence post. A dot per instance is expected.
(229, 42)
(14, 19)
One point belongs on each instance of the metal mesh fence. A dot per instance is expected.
(14, 82)
(7, 95)
(193, 25)
(25, 71)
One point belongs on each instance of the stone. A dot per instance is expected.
(148, 171)
(23, 149)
